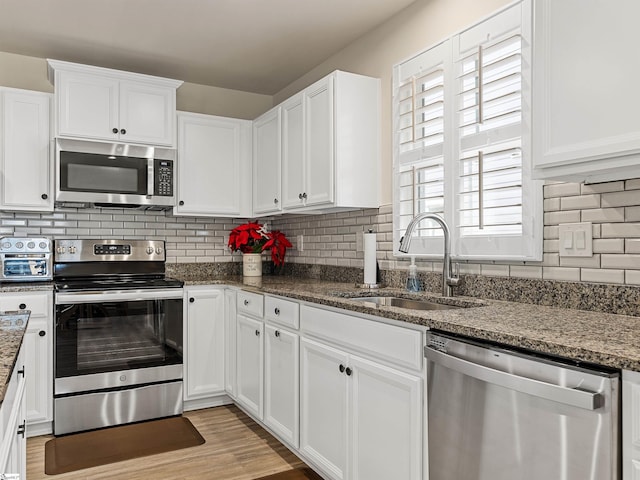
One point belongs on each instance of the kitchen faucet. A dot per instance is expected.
(448, 279)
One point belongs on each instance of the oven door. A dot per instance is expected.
(117, 338)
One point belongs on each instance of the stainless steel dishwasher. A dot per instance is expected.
(500, 414)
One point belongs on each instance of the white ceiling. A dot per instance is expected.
(258, 46)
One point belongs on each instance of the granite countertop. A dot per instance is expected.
(593, 337)
(12, 328)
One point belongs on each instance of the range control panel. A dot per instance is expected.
(108, 250)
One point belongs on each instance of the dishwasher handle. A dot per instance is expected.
(556, 393)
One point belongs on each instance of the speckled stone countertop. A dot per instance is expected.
(12, 328)
(594, 337)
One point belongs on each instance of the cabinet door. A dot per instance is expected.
(584, 112)
(204, 359)
(213, 165)
(87, 106)
(249, 358)
(319, 143)
(323, 407)
(38, 356)
(281, 383)
(147, 113)
(17, 458)
(230, 342)
(266, 163)
(386, 422)
(293, 173)
(26, 167)
(39, 381)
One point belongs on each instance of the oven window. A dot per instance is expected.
(113, 336)
(88, 172)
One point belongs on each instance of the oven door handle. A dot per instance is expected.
(117, 296)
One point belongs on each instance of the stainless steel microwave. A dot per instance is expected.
(114, 174)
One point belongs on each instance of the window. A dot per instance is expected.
(462, 146)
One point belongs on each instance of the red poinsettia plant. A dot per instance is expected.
(253, 237)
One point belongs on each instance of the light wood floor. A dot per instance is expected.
(236, 448)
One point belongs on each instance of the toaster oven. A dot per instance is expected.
(25, 259)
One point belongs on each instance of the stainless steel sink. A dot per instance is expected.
(405, 303)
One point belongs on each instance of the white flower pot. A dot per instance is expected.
(252, 264)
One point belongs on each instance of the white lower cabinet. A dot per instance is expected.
(281, 383)
(38, 356)
(204, 346)
(230, 326)
(323, 407)
(249, 364)
(13, 443)
(359, 419)
(385, 422)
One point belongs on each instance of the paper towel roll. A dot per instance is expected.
(369, 245)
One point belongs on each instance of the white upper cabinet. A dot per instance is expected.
(27, 180)
(214, 166)
(292, 152)
(267, 196)
(331, 144)
(585, 122)
(104, 104)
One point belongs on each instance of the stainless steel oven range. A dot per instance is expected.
(118, 335)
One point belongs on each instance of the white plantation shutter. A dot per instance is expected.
(420, 101)
(497, 204)
(462, 144)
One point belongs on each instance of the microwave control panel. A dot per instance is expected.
(163, 181)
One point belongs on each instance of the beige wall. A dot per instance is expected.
(30, 73)
(422, 24)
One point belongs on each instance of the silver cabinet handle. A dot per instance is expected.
(548, 391)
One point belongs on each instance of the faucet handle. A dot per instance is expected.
(454, 278)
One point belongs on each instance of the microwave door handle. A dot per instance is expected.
(150, 177)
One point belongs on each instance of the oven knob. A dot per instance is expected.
(123, 378)
(6, 245)
(72, 249)
(61, 250)
(158, 250)
(19, 244)
(42, 245)
(31, 245)
(150, 250)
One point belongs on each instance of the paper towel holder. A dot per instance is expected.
(375, 285)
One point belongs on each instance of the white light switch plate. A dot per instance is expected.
(576, 239)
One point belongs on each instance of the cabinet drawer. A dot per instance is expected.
(250, 303)
(397, 345)
(37, 302)
(282, 312)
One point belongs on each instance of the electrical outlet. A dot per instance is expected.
(300, 243)
(575, 239)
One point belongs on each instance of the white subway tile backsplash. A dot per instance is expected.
(601, 215)
(580, 202)
(608, 245)
(620, 199)
(561, 190)
(602, 187)
(626, 261)
(600, 275)
(632, 245)
(632, 277)
(556, 218)
(561, 273)
(620, 230)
